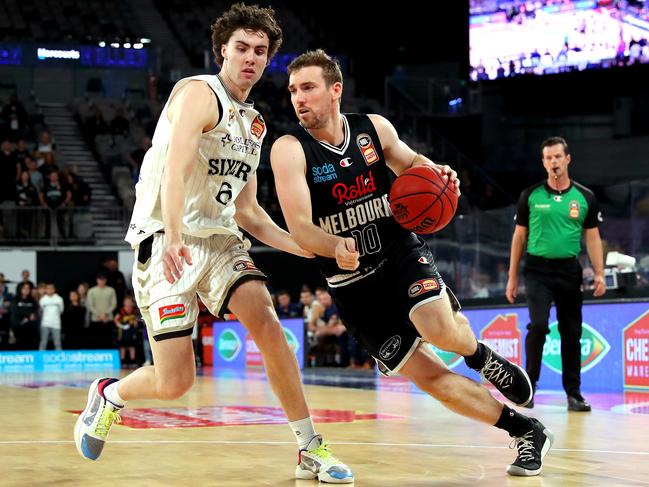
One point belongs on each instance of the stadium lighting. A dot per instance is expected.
(145, 40)
(138, 45)
(102, 44)
(114, 44)
(127, 45)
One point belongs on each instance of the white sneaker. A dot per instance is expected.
(94, 422)
(317, 461)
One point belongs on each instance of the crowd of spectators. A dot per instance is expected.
(33, 177)
(98, 316)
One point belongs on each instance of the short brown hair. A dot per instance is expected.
(330, 67)
(248, 17)
(549, 142)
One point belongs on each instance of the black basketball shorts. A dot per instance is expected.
(377, 309)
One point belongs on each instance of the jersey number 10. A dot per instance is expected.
(367, 240)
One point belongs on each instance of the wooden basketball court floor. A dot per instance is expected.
(228, 431)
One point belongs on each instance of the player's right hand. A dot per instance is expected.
(346, 254)
(511, 290)
(172, 260)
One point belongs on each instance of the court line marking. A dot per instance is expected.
(349, 443)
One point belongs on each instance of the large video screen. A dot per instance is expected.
(515, 37)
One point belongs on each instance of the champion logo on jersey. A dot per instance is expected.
(171, 312)
(346, 162)
(258, 128)
(557, 198)
(366, 146)
(423, 260)
(242, 112)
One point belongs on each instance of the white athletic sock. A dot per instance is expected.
(111, 393)
(303, 430)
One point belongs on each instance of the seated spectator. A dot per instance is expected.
(119, 125)
(24, 319)
(46, 164)
(26, 193)
(45, 144)
(284, 307)
(78, 187)
(35, 175)
(22, 152)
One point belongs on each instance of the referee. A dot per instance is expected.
(550, 218)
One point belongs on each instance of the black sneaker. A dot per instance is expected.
(511, 380)
(577, 402)
(532, 448)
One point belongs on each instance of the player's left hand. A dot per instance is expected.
(451, 174)
(600, 286)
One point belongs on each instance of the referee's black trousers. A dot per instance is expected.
(558, 280)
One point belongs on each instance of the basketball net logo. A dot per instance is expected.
(366, 146)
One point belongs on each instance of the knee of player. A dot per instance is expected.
(267, 330)
(433, 380)
(169, 389)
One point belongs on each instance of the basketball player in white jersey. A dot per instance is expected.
(196, 185)
(332, 179)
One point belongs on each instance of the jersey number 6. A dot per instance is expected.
(225, 193)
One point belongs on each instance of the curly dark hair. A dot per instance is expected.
(249, 17)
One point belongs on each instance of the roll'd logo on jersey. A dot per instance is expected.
(361, 187)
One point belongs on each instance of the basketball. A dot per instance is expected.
(422, 199)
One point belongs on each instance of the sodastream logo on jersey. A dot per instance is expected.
(594, 348)
(228, 345)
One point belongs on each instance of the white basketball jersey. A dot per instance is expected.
(228, 156)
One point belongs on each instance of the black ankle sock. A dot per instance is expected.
(513, 422)
(478, 359)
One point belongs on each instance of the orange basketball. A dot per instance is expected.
(422, 199)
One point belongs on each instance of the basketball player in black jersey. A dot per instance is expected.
(332, 178)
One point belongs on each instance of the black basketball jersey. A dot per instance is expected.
(349, 188)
